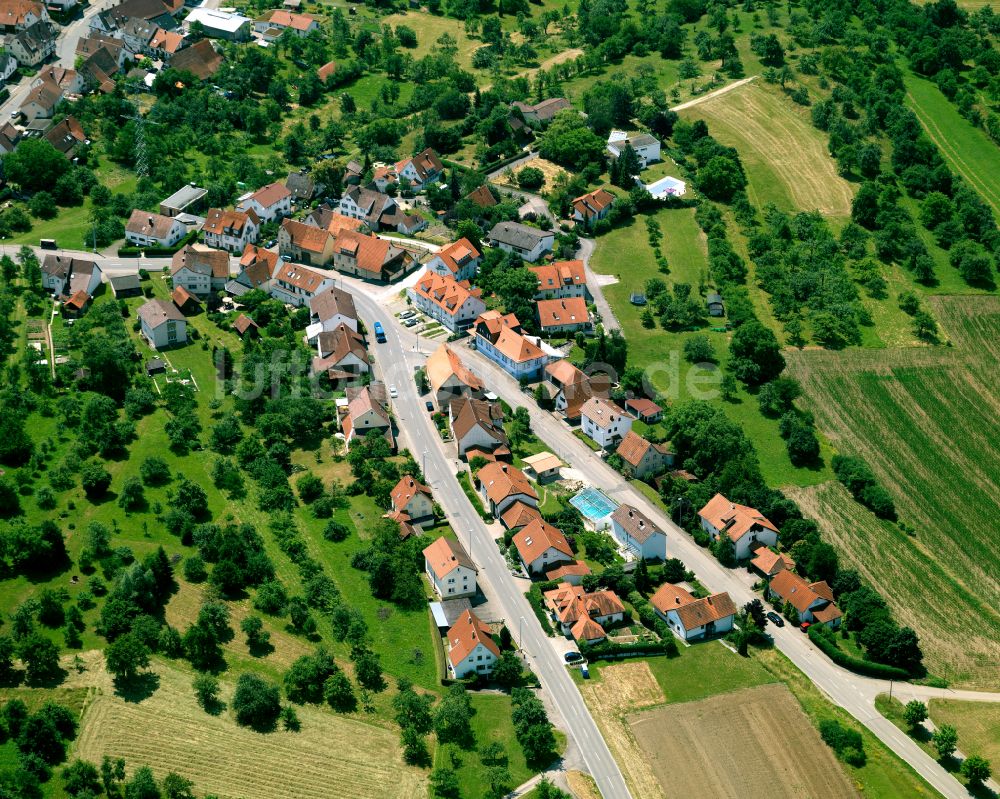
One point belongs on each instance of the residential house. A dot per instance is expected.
(638, 533)
(477, 426)
(604, 422)
(305, 243)
(458, 260)
(528, 242)
(500, 339)
(644, 410)
(33, 44)
(643, 459)
(297, 285)
(543, 465)
(162, 13)
(369, 257)
(572, 573)
(561, 280)
(367, 409)
(245, 327)
(646, 147)
(518, 515)
(448, 377)
(273, 23)
(63, 275)
(16, 15)
(69, 81)
(330, 309)
(146, 229)
(66, 136)
(563, 316)
(501, 485)
(301, 186)
(812, 601)
(421, 169)
(257, 265)
(593, 206)
(332, 220)
(230, 26)
(542, 112)
(41, 102)
(570, 388)
(413, 499)
(115, 48)
(450, 569)
(471, 648)
(231, 230)
(166, 43)
(123, 286)
(270, 202)
(103, 23)
(10, 137)
(455, 304)
(768, 563)
(341, 354)
(585, 617)
(200, 270)
(482, 196)
(200, 59)
(137, 34)
(162, 324)
(715, 305)
(186, 199)
(353, 172)
(367, 205)
(691, 619)
(746, 527)
(540, 546)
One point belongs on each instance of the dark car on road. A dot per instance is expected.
(775, 619)
(429, 405)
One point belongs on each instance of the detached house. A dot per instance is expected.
(604, 421)
(200, 270)
(501, 485)
(563, 316)
(646, 147)
(270, 202)
(812, 601)
(589, 208)
(500, 339)
(42, 101)
(33, 44)
(450, 569)
(570, 388)
(146, 229)
(477, 426)
(66, 136)
(367, 410)
(691, 619)
(643, 458)
(421, 169)
(448, 378)
(16, 15)
(63, 275)
(528, 242)
(561, 280)
(584, 616)
(542, 112)
(471, 648)
(304, 243)
(297, 285)
(746, 527)
(162, 324)
(638, 533)
(330, 309)
(257, 265)
(414, 499)
(367, 205)
(369, 257)
(341, 354)
(455, 304)
(458, 260)
(231, 230)
(768, 563)
(275, 22)
(540, 546)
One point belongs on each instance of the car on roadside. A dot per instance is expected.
(410, 322)
(393, 392)
(775, 619)
(573, 657)
(429, 405)
(805, 626)
(407, 314)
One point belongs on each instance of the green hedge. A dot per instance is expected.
(607, 650)
(866, 667)
(466, 483)
(537, 602)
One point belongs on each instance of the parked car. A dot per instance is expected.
(286, 258)
(407, 314)
(392, 392)
(585, 671)
(429, 405)
(573, 657)
(410, 322)
(775, 619)
(270, 244)
(805, 626)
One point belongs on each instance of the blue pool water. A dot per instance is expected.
(593, 504)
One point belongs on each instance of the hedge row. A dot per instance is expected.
(866, 667)
(608, 650)
(537, 602)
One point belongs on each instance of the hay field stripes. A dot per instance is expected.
(755, 742)
(168, 731)
(957, 139)
(769, 129)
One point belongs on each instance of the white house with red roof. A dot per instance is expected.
(458, 260)
(499, 337)
(231, 230)
(540, 546)
(414, 499)
(593, 206)
(582, 615)
(471, 648)
(270, 202)
(604, 421)
(812, 601)
(689, 618)
(560, 280)
(450, 569)
(453, 303)
(746, 527)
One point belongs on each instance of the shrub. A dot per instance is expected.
(847, 743)
(859, 479)
(821, 637)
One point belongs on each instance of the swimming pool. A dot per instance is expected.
(593, 504)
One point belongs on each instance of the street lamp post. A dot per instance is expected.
(520, 633)
(423, 464)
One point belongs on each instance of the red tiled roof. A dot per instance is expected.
(733, 519)
(465, 635)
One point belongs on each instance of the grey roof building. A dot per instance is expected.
(185, 198)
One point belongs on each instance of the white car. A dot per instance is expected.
(392, 392)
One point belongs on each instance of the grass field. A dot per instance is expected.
(978, 725)
(625, 254)
(785, 157)
(429, 28)
(549, 170)
(937, 452)
(755, 742)
(170, 732)
(968, 150)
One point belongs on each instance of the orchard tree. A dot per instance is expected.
(756, 355)
(125, 656)
(915, 713)
(257, 702)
